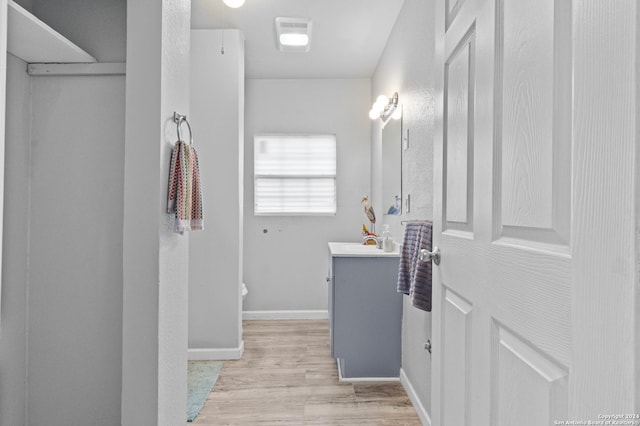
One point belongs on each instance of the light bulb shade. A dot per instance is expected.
(373, 114)
(377, 108)
(380, 105)
(383, 100)
(234, 3)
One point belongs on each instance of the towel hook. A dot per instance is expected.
(179, 119)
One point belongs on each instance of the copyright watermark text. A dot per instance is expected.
(604, 420)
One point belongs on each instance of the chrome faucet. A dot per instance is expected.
(375, 238)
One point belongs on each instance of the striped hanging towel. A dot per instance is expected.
(414, 276)
(184, 198)
(196, 199)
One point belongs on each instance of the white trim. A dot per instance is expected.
(362, 379)
(215, 354)
(367, 379)
(284, 315)
(413, 396)
(103, 68)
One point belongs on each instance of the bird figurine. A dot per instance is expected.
(368, 210)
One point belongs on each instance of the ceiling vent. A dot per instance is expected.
(293, 34)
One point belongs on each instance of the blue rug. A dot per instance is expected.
(202, 377)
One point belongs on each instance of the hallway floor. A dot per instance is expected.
(288, 377)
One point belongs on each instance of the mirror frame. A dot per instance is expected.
(397, 175)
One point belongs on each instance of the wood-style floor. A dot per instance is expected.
(288, 377)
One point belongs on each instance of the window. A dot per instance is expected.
(295, 174)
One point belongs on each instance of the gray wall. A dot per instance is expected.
(285, 267)
(75, 250)
(97, 26)
(27, 4)
(13, 343)
(215, 254)
(63, 318)
(61, 346)
(406, 67)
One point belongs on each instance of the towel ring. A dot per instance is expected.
(179, 119)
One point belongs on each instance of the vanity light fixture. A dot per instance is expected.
(385, 108)
(293, 34)
(233, 3)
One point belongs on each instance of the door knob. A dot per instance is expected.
(426, 255)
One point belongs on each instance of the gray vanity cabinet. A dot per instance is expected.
(365, 315)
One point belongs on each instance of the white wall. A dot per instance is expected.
(406, 67)
(13, 343)
(285, 257)
(155, 259)
(215, 254)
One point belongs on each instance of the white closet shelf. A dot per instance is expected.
(33, 41)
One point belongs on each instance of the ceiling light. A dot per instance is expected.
(294, 39)
(234, 3)
(293, 34)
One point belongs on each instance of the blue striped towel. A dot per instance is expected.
(414, 277)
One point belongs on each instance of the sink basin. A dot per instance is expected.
(360, 250)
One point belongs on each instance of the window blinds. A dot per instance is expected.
(295, 174)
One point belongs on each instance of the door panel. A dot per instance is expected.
(457, 314)
(527, 124)
(452, 7)
(528, 388)
(458, 136)
(533, 120)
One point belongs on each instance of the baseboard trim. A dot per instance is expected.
(284, 315)
(362, 379)
(215, 354)
(413, 396)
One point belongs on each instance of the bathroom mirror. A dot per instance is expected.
(392, 167)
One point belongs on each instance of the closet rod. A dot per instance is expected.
(102, 68)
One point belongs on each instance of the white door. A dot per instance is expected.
(3, 84)
(534, 298)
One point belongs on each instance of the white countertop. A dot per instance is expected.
(338, 249)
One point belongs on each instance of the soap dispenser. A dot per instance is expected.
(387, 240)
